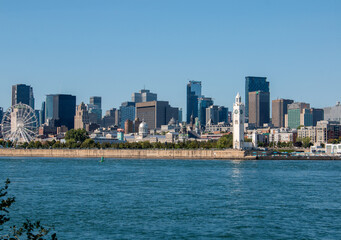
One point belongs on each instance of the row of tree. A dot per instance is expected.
(300, 142)
(79, 139)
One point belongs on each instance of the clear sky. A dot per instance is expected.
(114, 48)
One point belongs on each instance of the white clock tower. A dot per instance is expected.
(238, 123)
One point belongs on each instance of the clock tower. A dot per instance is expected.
(238, 123)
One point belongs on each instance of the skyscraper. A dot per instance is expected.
(333, 113)
(223, 114)
(259, 108)
(81, 117)
(97, 101)
(212, 115)
(60, 110)
(318, 115)
(253, 84)
(42, 114)
(279, 109)
(127, 111)
(22, 93)
(109, 118)
(193, 94)
(156, 113)
(298, 116)
(180, 115)
(95, 110)
(204, 102)
(1, 113)
(143, 96)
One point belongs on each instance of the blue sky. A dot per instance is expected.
(113, 48)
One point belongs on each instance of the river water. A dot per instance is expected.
(177, 199)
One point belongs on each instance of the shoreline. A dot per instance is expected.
(128, 153)
(199, 154)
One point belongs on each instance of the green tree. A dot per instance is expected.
(306, 142)
(32, 231)
(225, 141)
(88, 143)
(79, 135)
(71, 143)
(57, 145)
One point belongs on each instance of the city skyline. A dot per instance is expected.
(115, 48)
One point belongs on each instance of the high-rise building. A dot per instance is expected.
(333, 113)
(193, 94)
(253, 84)
(95, 110)
(22, 93)
(297, 116)
(156, 113)
(42, 114)
(1, 114)
(97, 101)
(203, 104)
(223, 114)
(81, 117)
(318, 115)
(143, 96)
(37, 114)
(180, 115)
(127, 111)
(60, 110)
(279, 109)
(49, 109)
(238, 123)
(117, 117)
(259, 108)
(212, 115)
(109, 118)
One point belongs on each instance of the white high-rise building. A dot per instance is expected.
(238, 123)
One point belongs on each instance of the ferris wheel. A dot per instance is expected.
(19, 123)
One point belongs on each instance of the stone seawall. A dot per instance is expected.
(125, 153)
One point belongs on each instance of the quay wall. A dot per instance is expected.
(126, 153)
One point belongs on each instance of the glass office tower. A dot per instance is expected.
(193, 94)
(22, 93)
(253, 84)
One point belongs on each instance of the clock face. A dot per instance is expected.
(236, 111)
(241, 111)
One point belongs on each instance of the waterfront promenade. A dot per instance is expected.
(128, 153)
(208, 154)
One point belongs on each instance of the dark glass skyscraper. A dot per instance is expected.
(22, 93)
(97, 101)
(1, 113)
(223, 114)
(193, 94)
(60, 110)
(42, 114)
(204, 102)
(253, 84)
